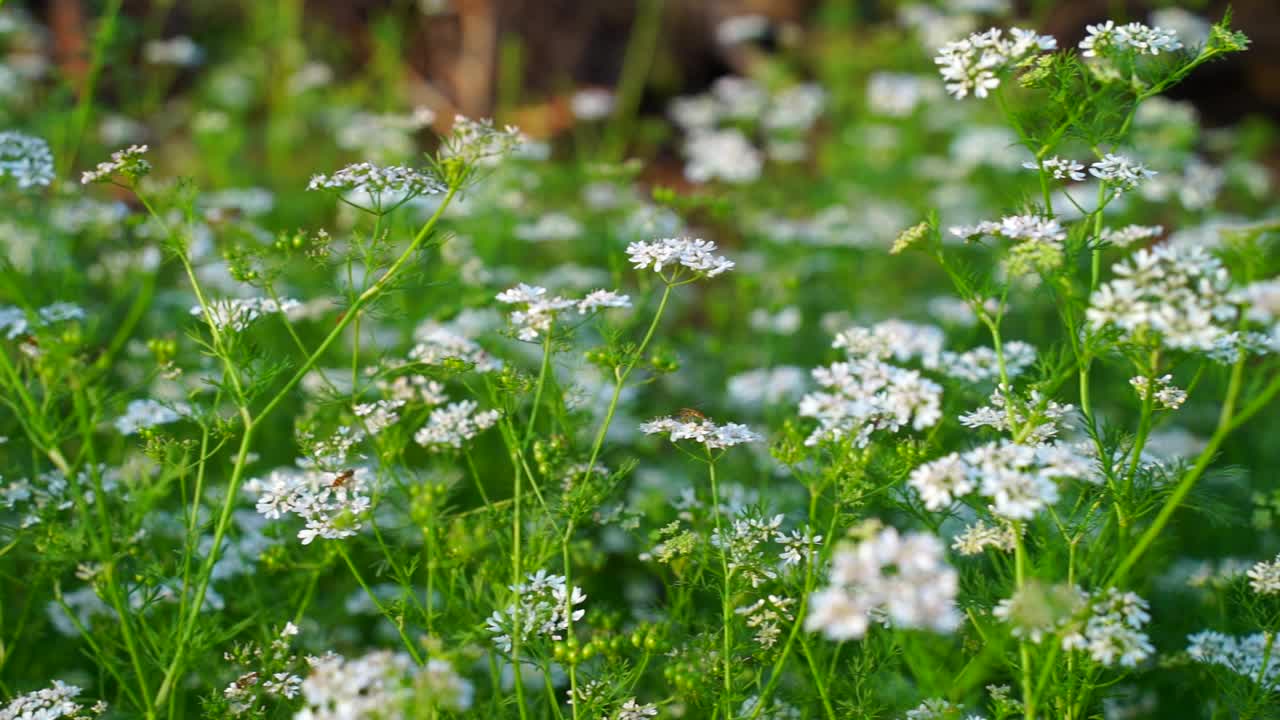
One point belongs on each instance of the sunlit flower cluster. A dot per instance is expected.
(1174, 296)
(701, 430)
(237, 314)
(903, 580)
(973, 65)
(25, 159)
(1018, 479)
(1108, 39)
(540, 610)
(333, 504)
(128, 163)
(693, 254)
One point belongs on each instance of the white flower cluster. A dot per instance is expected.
(766, 616)
(1018, 479)
(395, 180)
(437, 343)
(1037, 417)
(379, 684)
(378, 415)
(14, 321)
(538, 611)
(1120, 171)
(1264, 577)
(862, 396)
(701, 430)
(741, 542)
(332, 504)
(480, 141)
(1167, 395)
(48, 704)
(1016, 227)
(979, 536)
(148, 413)
(1113, 633)
(982, 363)
(902, 579)
(895, 339)
(766, 387)
(1108, 39)
(973, 65)
(1130, 234)
(935, 709)
(797, 547)
(539, 311)
(237, 314)
(128, 162)
(1249, 656)
(25, 159)
(725, 155)
(1177, 296)
(454, 425)
(631, 710)
(1036, 611)
(1060, 168)
(692, 253)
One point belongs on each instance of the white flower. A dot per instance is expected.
(592, 104)
(15, 322)
(26, 159)
(237, 314)
(1130, 234)
(397, 182)
(701, 430)
(1106, 39)
(378, 415)
(1016, 227)
(1113, 634)
(631, 711)
(1060, 168)
(379, 684)
(721, 155)
(903, 578)
(600, 299)
(538, 313)
(480, 141)
(692, 253)
(1167, 395)
(1176, 296)
(979, 536)
(333, 505)
(437, 343)
(973, 65)
(862, 396)
(454, 425)
(47, 704)
(1018, 479)
(1120, 171)
(539, 610)
(1249, 656)
(1264, 577)
(180, 50)
(128, 162)
(148, 413)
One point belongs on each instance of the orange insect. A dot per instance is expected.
(690, 415)
(341, 478)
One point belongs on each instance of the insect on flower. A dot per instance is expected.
(691, 415)
(342, 478)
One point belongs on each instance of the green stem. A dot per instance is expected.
(621, 379)
(726, 604)
(398, 622)
(1225, 425)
